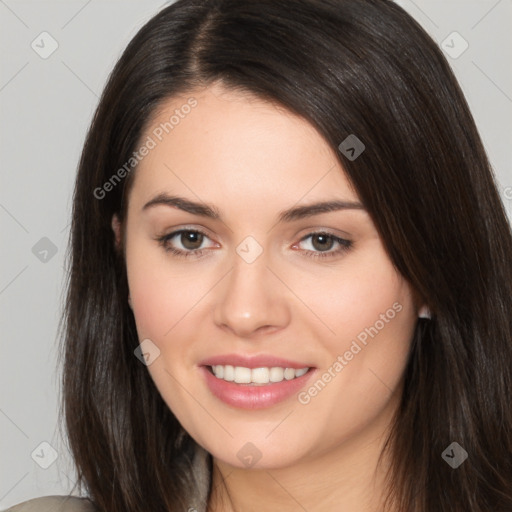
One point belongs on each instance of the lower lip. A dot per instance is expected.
(246, 396)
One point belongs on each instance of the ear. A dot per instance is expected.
(116, 227)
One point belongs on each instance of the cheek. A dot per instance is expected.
(353, 297)
(369, 310)
(161, 299)
(161, 295)
(148, 292)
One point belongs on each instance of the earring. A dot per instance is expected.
(424, 312)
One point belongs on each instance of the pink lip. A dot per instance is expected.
(251, 396)
(261, 361)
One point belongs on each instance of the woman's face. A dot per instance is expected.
(310, 289)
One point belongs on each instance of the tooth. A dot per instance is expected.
(260, 375)
(242, 375)
(229, 373)
(289, 373)
(276, 374)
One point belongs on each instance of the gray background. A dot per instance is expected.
(46, 107)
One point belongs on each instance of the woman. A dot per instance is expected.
(290, 281)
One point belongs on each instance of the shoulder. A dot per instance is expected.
(54, 504)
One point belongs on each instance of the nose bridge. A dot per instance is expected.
(251, 297)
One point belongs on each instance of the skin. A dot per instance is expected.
(252, 159)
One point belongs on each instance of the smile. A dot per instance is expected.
(279, 384)
(256, 376)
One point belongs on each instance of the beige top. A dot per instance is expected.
(54, 504)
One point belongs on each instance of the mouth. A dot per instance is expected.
(263, 376)
(260, 387)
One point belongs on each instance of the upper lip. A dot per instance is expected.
(259, 361)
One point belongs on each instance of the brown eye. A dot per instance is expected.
(184, 243)
(321, 245)
(191, 239)
(322, 241)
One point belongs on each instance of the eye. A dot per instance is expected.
(323, 242)
(190, 240)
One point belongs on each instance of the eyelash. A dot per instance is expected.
(198, 253)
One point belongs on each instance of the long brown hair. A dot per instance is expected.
(362, 67)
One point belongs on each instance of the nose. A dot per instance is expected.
(251, 299)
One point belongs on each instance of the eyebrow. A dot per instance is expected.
(210, 211)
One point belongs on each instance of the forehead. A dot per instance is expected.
(227, 146)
